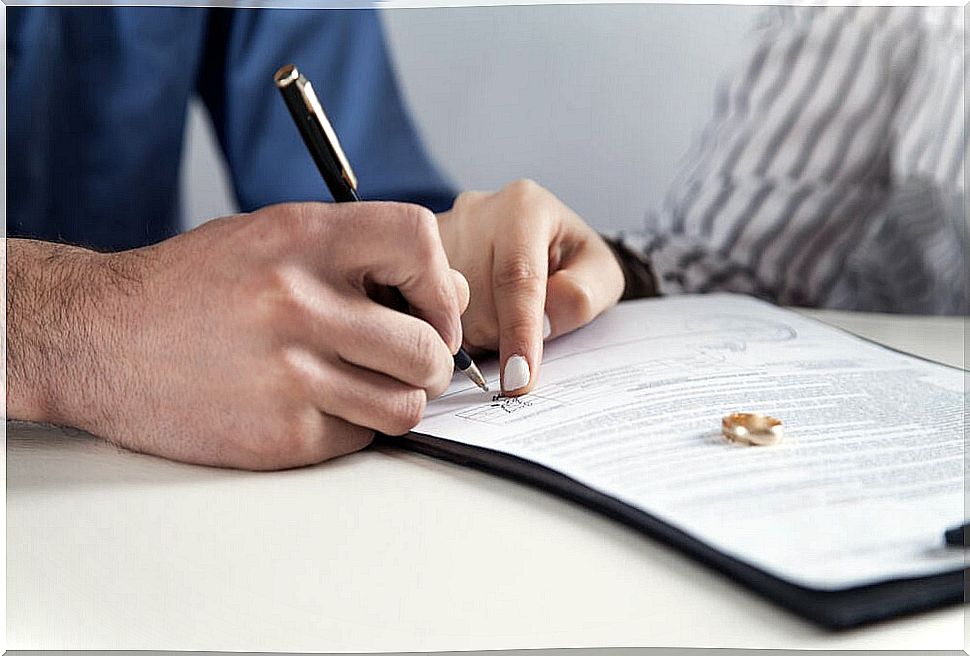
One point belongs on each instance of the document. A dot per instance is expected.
(870, 471)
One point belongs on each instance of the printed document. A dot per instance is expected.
(868, 476)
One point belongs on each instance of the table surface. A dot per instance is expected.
(378, 551)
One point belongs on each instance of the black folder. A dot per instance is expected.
(833, 609)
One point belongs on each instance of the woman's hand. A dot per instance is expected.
(535, 271)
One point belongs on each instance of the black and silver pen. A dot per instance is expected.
(324, 147)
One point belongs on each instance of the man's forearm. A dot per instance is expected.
(48, 325)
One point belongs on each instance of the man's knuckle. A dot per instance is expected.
(441, 380)
(293, 222)
(422, 342)
(442, 368)
(280, 291)
(361, 439)
(300, 437)
(418, 220)
(267, 293)
(249, 453)
(423, 345)
(468, 199)
(425, 233)
(447, 295)
(283, 443)
(408, 410)
(349, 439)
(295, 379)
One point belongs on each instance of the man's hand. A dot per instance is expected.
(249, 342)
(536, 271)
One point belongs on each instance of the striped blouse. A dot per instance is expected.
(832, 171)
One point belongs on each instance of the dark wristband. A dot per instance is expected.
(639, 280)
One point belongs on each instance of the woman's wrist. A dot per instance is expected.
(638, 277)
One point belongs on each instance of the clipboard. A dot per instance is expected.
(859, 600)
(832, 609)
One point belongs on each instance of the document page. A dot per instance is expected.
(867, 478)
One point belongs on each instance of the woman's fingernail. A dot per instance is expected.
(546, 326)
(516, 373)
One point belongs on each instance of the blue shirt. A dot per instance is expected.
(97, 102)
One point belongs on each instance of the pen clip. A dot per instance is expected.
(290, 75)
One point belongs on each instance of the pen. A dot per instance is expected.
(324, 147)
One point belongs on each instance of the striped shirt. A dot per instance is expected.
(831, 174)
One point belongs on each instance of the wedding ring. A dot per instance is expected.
(751, 428)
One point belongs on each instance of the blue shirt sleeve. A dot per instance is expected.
(343, 53)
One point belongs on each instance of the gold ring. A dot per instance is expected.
(751, 428)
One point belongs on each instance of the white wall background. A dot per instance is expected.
(596, 102)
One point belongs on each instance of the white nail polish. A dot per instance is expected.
(516, 373)
(546, 326)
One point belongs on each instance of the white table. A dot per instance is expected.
(378, 551)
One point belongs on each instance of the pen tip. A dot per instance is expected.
(476, 376)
